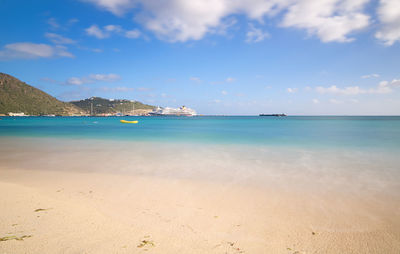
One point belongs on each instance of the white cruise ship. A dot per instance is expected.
(167, 111)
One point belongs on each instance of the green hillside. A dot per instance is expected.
(97, 105)
(17, 96)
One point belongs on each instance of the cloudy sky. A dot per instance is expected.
(216, 56)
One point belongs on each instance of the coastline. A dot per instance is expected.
(219, 200)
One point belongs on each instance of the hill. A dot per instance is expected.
(98, 106)
(17, 96)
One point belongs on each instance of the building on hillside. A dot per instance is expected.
(16, 114)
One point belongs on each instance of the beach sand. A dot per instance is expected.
(121, 200)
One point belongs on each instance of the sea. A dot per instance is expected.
(352, 153)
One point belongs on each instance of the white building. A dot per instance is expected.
(16, 114)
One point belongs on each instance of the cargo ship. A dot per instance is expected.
(277, 115)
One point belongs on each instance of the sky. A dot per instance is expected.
(234, 57)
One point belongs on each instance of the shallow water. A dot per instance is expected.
(354, 172)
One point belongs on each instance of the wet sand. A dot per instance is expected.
(217, 200)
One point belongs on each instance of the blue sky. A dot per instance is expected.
(216, 56)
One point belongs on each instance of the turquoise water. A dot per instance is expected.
(298, 131)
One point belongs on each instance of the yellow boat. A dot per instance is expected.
(124, 121)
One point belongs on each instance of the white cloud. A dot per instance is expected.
(105, 77)
(118, 7)
(179, 20)
(182, 20)
(334, 101)
(95, 31)
(230, 80)
(75, 81)
(123, 89)
(227, 80)
(195, 79)
(389, 16)
(53, 23)
(133, 34)
(62, 51)
(394, 83)
(143, 89)
(28, 50)
(224, 26)
(254, 34)
(93, 78)
(108, 30)
(59, 39)
(72, 21)
(113, 28)
(330, 20)
(118, 89)
(96, 50)
(315, 101)
(371, 76)
(382, 88)
(223, 92)
(291, 90)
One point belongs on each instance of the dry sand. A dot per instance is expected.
(105, 212)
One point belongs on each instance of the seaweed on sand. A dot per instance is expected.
(146, 243)
(13, 237)
(41, 209)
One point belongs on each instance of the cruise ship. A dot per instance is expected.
(167, 111)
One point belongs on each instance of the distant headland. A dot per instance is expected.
(20, 99)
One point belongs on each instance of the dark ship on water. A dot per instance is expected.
(276, 115)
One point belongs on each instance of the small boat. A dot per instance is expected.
(125, 121)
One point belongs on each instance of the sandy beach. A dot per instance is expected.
(76, 209)
(200, 127)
